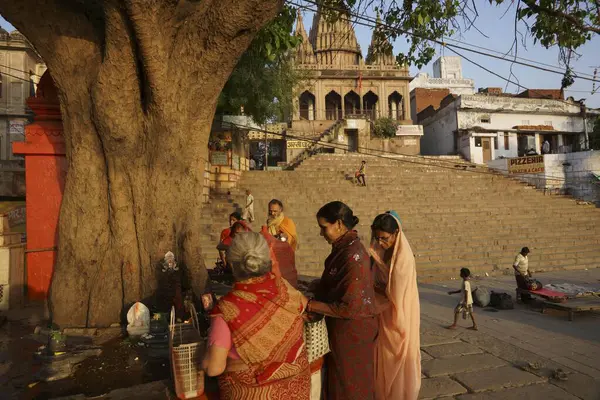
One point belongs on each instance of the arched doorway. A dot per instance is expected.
(307, 106)
(370, 104)
(351, 103)
(396, 106)
(333, 106)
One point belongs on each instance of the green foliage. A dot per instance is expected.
(263, 80)
(568, 24)
(385, 127)
(565, 23)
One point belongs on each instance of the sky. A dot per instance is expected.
(499, 31)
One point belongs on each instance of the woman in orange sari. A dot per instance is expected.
(255, 342)
(397, 348)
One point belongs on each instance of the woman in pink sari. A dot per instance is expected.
(397, 348)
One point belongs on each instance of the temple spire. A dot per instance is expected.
(380, 50)
(305, 54)
(334, 41)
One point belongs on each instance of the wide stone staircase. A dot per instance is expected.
(454, 214)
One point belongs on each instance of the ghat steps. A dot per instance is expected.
(454, 214)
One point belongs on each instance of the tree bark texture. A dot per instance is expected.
(138, 82)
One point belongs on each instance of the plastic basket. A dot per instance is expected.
(186, 348)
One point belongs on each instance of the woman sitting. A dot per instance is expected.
(397, 354)
(255, 342)
(237, 227)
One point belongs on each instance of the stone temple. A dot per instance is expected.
(341, 83)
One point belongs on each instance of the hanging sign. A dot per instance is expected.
(219, 158)
(298, 144)
(526, 165)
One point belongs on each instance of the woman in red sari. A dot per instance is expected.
(255, 342)
(346, 297)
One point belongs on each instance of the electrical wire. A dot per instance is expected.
(440, 42)
(20, 70)
(368, 153)
(16, 77)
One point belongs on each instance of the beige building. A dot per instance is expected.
(20, 69)
(341, 82)
(342, 92)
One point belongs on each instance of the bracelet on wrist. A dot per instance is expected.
(307, 308)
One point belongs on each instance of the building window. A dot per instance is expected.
(525, 122)
(477, 141)
(548, 123)
(485, 120)
(495, 142)
(506, 142)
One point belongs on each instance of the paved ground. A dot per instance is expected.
(487, 365)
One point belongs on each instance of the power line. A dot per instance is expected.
(369, 153)
(16, 77)
(449, 46)
(442, 43)
(20, 70)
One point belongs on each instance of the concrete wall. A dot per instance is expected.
(12, 183)
(438, 137)
(310, 129)
(505, 104)
(409, 145)
(421, 98)
(504, 120)
(224, 178)
(564, 173)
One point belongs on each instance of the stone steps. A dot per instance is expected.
(453, 218)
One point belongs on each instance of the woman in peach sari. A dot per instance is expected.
(397, 348)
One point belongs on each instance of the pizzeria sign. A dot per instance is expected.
(526, 165)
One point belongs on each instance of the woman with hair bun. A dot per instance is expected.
(345, 296)
(255, 342)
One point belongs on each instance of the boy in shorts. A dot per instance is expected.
(466, 304)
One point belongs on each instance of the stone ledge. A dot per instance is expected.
(533, 392)
(498, 378)
(452, 350)
(448, 366)
(432, 388)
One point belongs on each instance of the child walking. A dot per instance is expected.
(466, 304)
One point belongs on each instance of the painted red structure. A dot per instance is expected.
(45, 172)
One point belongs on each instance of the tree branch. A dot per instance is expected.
(118, 93)
(559, 14)
(66, 33)
(153, 25)
(210, 40)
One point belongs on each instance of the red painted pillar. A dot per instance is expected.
(45, 172)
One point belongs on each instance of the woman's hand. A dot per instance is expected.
(312, 287)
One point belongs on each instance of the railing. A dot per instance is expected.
(313, 147)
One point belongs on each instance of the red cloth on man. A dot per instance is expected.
(283, 258)
(226, 240)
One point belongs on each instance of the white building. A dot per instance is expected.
(447, 74)
(484, 127)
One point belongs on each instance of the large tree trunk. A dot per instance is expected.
(138, 83)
